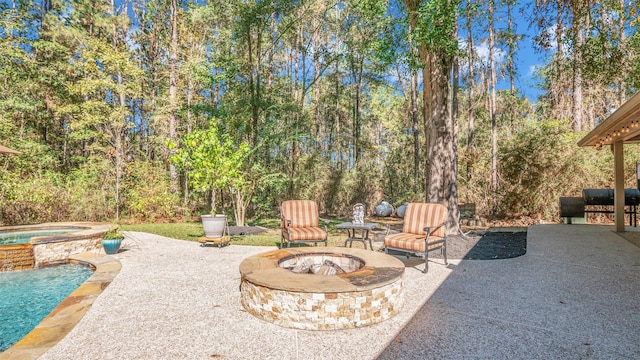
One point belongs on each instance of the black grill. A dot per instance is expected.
(605, 197)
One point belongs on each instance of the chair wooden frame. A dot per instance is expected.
(300, 223)
(431, 219)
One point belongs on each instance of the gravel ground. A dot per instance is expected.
(176, 300)
(575, 287)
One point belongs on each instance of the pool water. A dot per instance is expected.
(27, 297)
(23, 237)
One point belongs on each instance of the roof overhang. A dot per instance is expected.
(623, 125)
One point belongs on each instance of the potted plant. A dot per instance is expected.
(213, 225)
(111, 241)
(212, 161)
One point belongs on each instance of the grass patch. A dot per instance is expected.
(183, 231)
(264, 239)
(191, 231)
(267, 239)
(266, 223)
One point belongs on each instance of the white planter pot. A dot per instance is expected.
(213, 225)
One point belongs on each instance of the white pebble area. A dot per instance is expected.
(174, 299)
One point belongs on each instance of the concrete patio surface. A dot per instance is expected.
(572, 296)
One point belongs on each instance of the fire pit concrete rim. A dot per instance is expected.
(379, 270)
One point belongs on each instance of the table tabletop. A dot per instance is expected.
(350, 225)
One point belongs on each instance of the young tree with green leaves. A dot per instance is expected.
(213, 162)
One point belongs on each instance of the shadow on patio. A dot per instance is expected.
(573, 295)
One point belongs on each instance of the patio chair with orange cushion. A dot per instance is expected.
(424, 229)
(300, 223)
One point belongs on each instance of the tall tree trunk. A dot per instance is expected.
(512, 49)
(295, 146)
(492, 107)
(356, 110)
(173, 91)
(577, 105)
(117, 128)
(272, 49)
(316, 74)
(254, 63)
(558, 94)
(452, 145)
(252, 80)
(622, 93)
(337, 114)
(415, 114)
(257, 106)
(440, 180)
(590, 110)
(472, 83)
(415, 128)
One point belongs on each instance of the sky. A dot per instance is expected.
(527, 59)
(526, 62)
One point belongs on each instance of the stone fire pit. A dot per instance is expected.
(322, 288)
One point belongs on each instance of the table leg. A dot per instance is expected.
(365, 236)
(351, 237)
(363, 239)
(348, 236)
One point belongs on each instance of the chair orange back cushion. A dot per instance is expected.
(302, 213)
(419, 215)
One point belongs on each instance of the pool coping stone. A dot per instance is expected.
(70, 311)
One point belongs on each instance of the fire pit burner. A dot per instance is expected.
(321, 263)
(357, 287)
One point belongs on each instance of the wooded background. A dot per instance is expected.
(113, 103)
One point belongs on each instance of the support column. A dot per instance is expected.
(618, 200)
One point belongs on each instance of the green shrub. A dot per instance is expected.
(147, 195)
(543, 162)
(35, 199)
(90, 193)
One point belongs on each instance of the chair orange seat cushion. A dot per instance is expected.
(419, 215)
(305, 234)
(414, 237)
(413, 242)
(300, 222)
(301, 213)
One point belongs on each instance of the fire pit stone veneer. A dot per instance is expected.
(371, 293)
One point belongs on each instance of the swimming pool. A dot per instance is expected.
(23, 237)
(25, 247)
(27, 297)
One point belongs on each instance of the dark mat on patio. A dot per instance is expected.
(485, 245)
(498, 245)
(490, 244)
